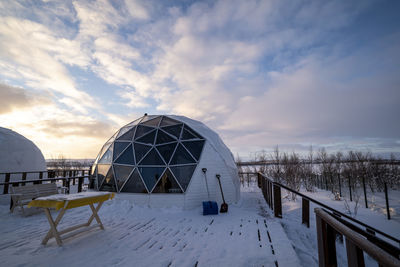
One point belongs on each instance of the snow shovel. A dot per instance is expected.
(224, 206)
(209, 207)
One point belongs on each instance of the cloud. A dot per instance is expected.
(135, 100)
(38, 55)
(12, 98)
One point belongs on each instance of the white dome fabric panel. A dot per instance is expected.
(19, 154)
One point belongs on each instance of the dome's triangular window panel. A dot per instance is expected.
(113, 137)
(134, 184)
(153, 122)
(119, 147)
(194, 147)
(163, 137)
(104, 149)
(181, 156)
(148, 138)
(109, 182)
(174, 130)
(183, 174)
(142, 130)
(122, 173)
(151, 175)
(102, 170)
(133, 123)
(152, 158)
(126, 157)
(128, 136)
(167, 184)
(122, 131)
(168, 121)
(189, 134)
(166, 151)
(148, 118)
(140, 151)
(107, 157)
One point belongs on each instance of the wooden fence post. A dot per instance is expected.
(40, 177)
(355, 256)
(23, 178)
(351, 197)
(305, 212)
(80, 183)
(326, 243)
(7, 180)
(277, 201)
(365, 192)
(387, 202)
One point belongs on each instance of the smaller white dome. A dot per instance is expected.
(19, 154)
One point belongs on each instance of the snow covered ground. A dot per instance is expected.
(247, 235)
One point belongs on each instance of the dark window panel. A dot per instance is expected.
(107, 157)
(163, 137)
(148, 117)
(119, 147)
(126, 157)
(104, 149)
(167, 184)
(133, 123)
(181, 156)
(174, 130)
(128, 136)
(148, 138)
(122, 173)
(112, 137)
(168, 121)
(183, 174)
(109, 182)
(152, 122)
(122, 131)
(140, 151)
(194, 147)
(151, 175)
(142, 130)
(134, 184)
(152, 158)
(189, 133)
(166, 151)
(102, 170)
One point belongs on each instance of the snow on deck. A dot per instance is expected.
(247, 235)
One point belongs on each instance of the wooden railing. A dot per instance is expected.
(272, 194)
(53, 175)
(327, 229)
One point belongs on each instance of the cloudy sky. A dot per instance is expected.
(260, 73)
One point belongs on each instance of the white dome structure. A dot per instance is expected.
(19, 154)
(157, 161)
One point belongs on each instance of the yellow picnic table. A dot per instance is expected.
(64, 202)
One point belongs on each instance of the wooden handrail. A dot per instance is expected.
(355, 243)
(331, 209)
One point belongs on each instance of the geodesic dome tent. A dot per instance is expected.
(19, 154)
(158, 161)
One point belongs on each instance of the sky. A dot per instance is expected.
(292, 74)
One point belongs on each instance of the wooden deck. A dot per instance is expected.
(246, 236)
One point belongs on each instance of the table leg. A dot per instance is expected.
(95, 215)
(53, 227)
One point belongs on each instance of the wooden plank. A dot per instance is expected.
(305, 212)
(277, 201)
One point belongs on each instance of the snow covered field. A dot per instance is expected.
(135, 236)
